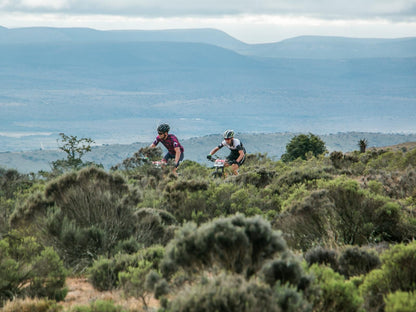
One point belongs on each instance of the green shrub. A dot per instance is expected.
(400, 301)
(184, 197)
(236, 244)
(283, 271)
(336, 294)
(27, 269)
(396, 274)
(191, 170)
(308, 221)
(289, 299)
(361, 216)
(133, 281)
(320, 255)
(85, 214)
(103, 274)
(155, 283)
(259, 177)
(356, 261)
(154, 226)
(302, 175)
(224, 293)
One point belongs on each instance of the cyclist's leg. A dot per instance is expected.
(167, 157)
(232, 161)
(180, 159)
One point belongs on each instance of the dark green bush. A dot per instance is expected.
(128, 246)
(289, 299)
(236, 244)
(285, 271)
(355, 261)
(302, 144)
(320, 255)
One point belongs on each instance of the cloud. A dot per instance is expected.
(322, 9)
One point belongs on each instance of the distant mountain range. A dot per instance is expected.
(117, 86)
(299, 47)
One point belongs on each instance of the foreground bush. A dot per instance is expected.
(401, 301)
(85, 214)
(229, 293)
(397, 273)
(340, 212)
(336, 294)
(236, 244)
(29, 270)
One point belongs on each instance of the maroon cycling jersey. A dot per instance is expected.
(171, 142)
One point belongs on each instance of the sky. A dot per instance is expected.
(251, 21)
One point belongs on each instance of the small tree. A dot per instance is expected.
(301, 145)
(75, 149)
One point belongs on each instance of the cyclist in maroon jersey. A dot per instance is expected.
(170, 141)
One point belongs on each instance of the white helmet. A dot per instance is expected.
(228, 134)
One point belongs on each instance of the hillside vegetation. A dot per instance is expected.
(332, 232)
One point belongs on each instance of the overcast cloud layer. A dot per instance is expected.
(244, 18)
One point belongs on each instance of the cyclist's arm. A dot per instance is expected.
(155, 142)
(177, 155)
(214, 150)
(241, 152)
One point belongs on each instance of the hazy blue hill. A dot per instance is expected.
(335, 48)
(53, 35)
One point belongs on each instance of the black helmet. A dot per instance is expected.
(228, 134)
(163, 128)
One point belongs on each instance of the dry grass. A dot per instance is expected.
(81, 292)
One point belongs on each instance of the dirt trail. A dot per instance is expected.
(81, 292)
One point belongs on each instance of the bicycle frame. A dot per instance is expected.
(219, 165)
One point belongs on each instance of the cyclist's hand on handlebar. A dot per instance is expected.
(209, 156)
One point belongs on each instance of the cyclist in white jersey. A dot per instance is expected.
(238, 152)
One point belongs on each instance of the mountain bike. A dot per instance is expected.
(218, 166)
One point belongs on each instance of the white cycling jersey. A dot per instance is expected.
(235, 145)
